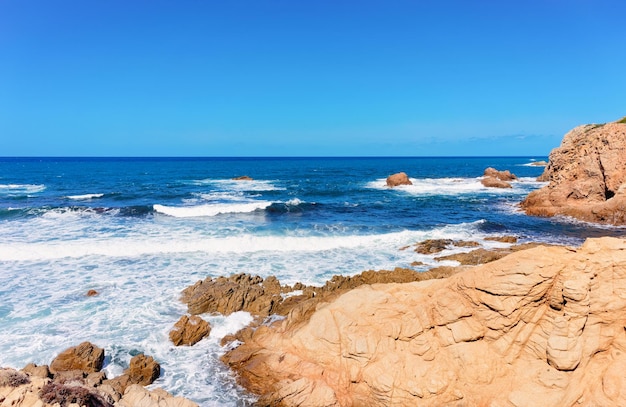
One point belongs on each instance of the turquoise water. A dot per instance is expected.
(140, 230)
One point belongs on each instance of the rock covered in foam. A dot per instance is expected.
(540, 327)
(397, 179)
(586, 175)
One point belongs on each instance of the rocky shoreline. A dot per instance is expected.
(539, 327)
(586, 176)
(74, 378)
(519, 325)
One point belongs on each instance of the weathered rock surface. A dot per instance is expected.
(19, 389)
(493, 178)
(240, 292)
(432, 246)
(586, 176)
(397, 179)
(143, 370)
(85, 357)
(482, 256)
(34, 386)
(243, 178)
(540, 327)
(189, 330)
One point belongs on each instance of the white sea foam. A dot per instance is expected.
(210, 209)
(294, 202)
(239, 185)
(21, 189)
(85, 197)
(454, 186)
(139, 273)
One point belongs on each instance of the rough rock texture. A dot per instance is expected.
(136, 395)
(243, 178)
(85, 357)
(493, 178)
(189, 330)
(540, 327)
(587, 175)
(399, 178)
(244, 292)
(432, 246)
(482, 256)
(20, 389)
(240, 292)
(143, 370)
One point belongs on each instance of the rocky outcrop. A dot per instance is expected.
(18, 389)
(85, 357)
(189, 330)
(143, 370)
(432, 246)
(77, 381)
(397, 179)
(586, 176)
(264, 297)
(240, 292)
(493, 178)
(482, 256)
(539, 327)
(243, 178)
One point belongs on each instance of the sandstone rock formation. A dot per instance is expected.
(432, 246)
(539, 327)
(19, 389)
(264, 297)
(240, 292)
(143, 370)
(76, 380)
(189, 330)
(243, 178)
(85, 357)
(493, 178)
(399, 178)
(587, 175)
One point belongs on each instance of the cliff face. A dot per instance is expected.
(540, 327)
(586, 174)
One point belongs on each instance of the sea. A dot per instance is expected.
(140, 230)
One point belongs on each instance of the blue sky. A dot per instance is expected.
(320, 78)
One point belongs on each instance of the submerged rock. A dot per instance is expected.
(539, 327)
(586, 175)
(397, 179)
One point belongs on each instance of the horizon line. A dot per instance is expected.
(261, 156)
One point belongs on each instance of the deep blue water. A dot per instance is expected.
(139, 230)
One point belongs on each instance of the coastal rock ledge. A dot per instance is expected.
(587, 176)
(539, 327)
